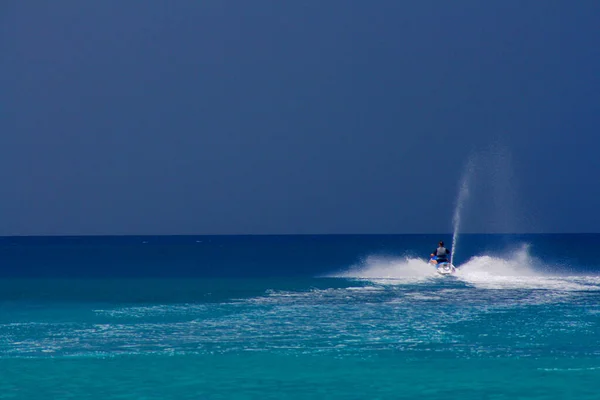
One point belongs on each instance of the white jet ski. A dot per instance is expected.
(443, 268)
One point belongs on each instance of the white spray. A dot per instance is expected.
(463, 195)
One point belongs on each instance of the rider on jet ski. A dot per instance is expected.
(441, 254)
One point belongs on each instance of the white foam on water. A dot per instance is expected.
(393, 269)
(515, 269)
(152, 310)
(519, 270)
(568, 369)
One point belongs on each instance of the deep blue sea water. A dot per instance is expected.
(297, 317)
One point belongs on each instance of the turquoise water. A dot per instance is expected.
(386, 326)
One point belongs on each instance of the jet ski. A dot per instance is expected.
(444, 267)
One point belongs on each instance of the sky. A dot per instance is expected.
(298, 117)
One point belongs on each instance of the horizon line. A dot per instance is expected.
(288, 234)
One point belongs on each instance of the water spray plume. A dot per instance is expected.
(463, 195)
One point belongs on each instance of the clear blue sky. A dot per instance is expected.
(201, 117)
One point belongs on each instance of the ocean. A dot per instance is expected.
(298, 317)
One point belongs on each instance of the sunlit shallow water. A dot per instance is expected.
(385, 328)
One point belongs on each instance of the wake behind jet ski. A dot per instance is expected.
(439, 259)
